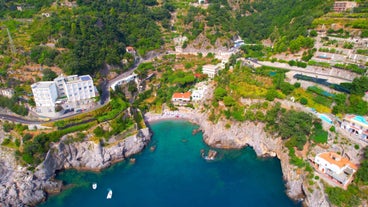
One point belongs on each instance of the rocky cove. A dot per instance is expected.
(21, 187)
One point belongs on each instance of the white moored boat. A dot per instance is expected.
(109, 194)
(94, 186)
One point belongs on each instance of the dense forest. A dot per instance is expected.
(94, 33)
(256, 20)
(272, 19)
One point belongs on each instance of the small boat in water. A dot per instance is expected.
(109, 194)
(94, 186)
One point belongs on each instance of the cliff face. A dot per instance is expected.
(24, 188)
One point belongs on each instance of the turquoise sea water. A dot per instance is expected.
(176, 175)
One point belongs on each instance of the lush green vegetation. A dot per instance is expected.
(289, 125)
(13, 105)
(28, 8)
(281, 23)
(340, 197)
(320, 64)
(34, 150)
(319, 135)
(296, 128)
(89, 35)
(362, 174)
(351, 67)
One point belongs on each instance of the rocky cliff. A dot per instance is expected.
(21, 187)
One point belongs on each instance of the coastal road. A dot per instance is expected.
(12, 118)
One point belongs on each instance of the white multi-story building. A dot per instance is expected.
(337, 167)
(211, 70)
(198, 93)
(74, 89)
(45, 95)
(357, 125)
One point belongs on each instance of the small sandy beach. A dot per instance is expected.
(180, 114)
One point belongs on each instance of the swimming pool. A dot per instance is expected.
(361, 119)
(325, 118)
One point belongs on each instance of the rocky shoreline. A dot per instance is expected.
(252, 134)
(22, 187)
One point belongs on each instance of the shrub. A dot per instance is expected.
(6, 141)
(229, 101)
(7, 127)
(313, 33)
(271, 95)
(99, 132)
(27, 137)
(340, 197)
(319, 136)
(304, 101)
(297, 85)
(220, 93)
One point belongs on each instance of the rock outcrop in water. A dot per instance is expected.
(21, 187)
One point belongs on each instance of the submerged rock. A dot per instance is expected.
(211, 155)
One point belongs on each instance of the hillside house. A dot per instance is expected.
(341, 6)
(357, 125)
(238, 43)
(130, 49)
(132, 77)
(198, 93)
(211, 70)
(181, 98)
(338, 168)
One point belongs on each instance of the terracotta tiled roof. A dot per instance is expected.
(336, 159)
(130, 48)
(185, 95)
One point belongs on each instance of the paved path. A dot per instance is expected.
(17, 119)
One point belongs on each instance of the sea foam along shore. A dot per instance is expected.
(244, 134)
